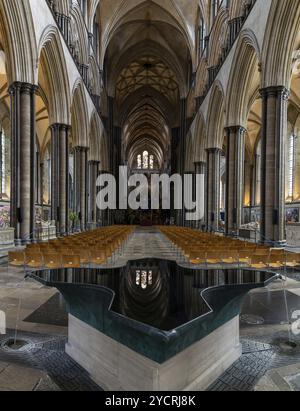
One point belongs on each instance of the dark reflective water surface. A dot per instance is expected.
(156, 292)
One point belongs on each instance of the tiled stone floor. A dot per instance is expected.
(40, 317)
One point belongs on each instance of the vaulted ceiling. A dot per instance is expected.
(147, 62)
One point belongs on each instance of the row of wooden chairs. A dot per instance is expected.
(208, 249)
(92, 248)
(258, 260)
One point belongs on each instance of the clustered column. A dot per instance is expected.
(200, 169)
(235, 178)
(23, 98)
(274, 129)
(60, 177)
(81, 173)
(93, 175)
(213, 189)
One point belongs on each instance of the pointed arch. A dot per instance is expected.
(218, 37)
(282, 35)
(95, 136)
(244, 79)
(80, 122)
(79, 34)
(200, 139)
(216, 117)
(19, 43)
(52, 62)
(61, 6)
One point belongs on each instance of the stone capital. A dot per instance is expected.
(81, 149)
(60, 127)
(214, 150)
(24, 88)
(235, 130)
(275, 91)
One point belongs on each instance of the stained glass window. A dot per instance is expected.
(291, 166)
(144, 279)
(151, 162)
(145, 160)
(139, 161)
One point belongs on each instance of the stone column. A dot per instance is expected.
(235, 178)
(41, 197)
(191, 192)
(103, 215)
(77, 180)
(274, 129)
(54, 172)
(23, 160)
(213, 189)
(200, 169)
(182, 152)
(60, 177)
(64, 180)
(93, 175)
(81, 173)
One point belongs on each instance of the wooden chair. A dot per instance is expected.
(277, 259)
(292, 260)
(259, 262)
(84, 254)
(16, 258)
(98, 257)
(52, 261)
(197, 257)
(70, 261)
(213, 258)
(245, 257)
(34, 260)
(230, 257)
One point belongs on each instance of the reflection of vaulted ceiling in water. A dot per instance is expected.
(147, 61)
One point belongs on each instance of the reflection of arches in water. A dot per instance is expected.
(144, 292)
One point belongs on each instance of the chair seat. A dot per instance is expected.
(244, 260)
(259, 266)
(212, 261)
(197, 261)
(16, 263)
(292, 264)
(276, 265)
(229, 260)
(34, 264)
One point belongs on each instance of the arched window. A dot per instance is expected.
(145, 160)
(215, 5)
(201, 36)
(139, 162)
(151, 162)
(4, 165)
(144, 279)
(291, 166)
(258, 174)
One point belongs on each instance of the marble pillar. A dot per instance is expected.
(93, 175)
(60, 177)
(81, 173)
(200, 169)
(274, 129)
(42, 171)
(182, 153)
(235, 165)
(212, 206)
(23, 124)
(103, 216)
